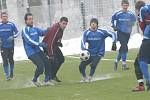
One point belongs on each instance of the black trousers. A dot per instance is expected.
(123, 38)
(41, 61)
(57, 61)
(7, 56)
(8, 61)
(144, 53)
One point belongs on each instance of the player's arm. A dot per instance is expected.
(15, 31)
(143, 10)
(113, 35)
(84, 44)
(113, 22)
(27, 38)
(41, 32)
(133, 19)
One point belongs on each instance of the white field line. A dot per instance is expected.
(101, 59)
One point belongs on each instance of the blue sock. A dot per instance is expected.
(82, 70)
(11, 69)
(144, 69)
(92, 71)
(46, 78)
(118, 57)
(6, 70)
(124, 57)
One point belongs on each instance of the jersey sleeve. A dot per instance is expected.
(143, 10)
(84, 41)
(27, 38)
(113, 35)
(114, 20)
(15, 31)
(41, 32)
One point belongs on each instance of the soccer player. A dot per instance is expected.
(122, 22)
(144, 55)
(53, 39)
(8, 32)
(138, 72)
(95, 39)
(30, 36)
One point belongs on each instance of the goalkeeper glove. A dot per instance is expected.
(114, 47)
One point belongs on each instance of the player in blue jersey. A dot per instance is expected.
(122, 22)
(30, 36)
(95, 38)
(8, 32)
(144, 54)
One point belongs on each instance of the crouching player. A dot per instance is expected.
(95, 38)
(31, 36)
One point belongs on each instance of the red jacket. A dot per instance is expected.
(53, 36)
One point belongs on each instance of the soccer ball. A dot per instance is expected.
(84, 55)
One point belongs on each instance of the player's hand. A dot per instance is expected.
(10, 39)
(51, 57)
(115, 28)
(59, 44)
(43, 44)
(114, 47)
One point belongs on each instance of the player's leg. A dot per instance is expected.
(139, 77)
(59, 60)
(11, 61)
(95, 61)
(40, 66)
(124, 48)
(144, 60)
(82, 67)
(47, 66)
(117, 60)
(4, 54)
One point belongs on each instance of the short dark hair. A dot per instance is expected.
(139, 4)
(26, 16)
(3, 13)
(125, 2)
(94, 20)
(64, 19)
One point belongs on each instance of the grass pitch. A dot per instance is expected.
(107, 85)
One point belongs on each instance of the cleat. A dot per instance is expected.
(138, 89)
(53, 81)
(7, 78)
(115, 66)
(37, 84)
(84, 80)
(90, 79)
(49, 83)
(124, 67)
(56, 79)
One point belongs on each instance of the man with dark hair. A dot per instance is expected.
(93, 40)
(53, 39)
(144, 55)
(138, 73)
(8, 32)
(122, 22)
(30, 36)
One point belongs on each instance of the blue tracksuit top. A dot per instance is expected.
(143, 12)
(6, 30)
(123, 21)
(30, 36)
(96, 41)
